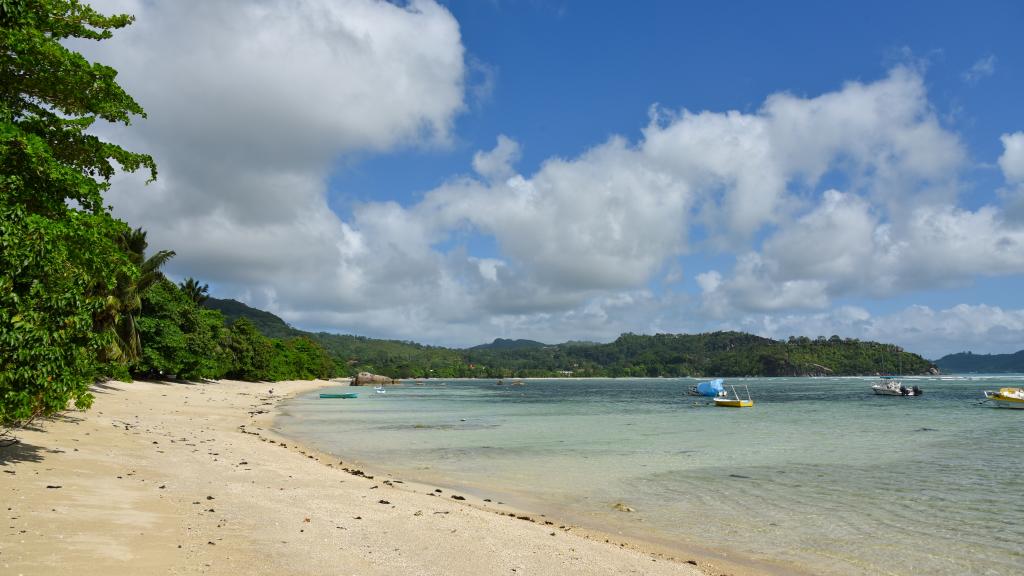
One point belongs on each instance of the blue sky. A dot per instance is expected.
(568, 74)
(451, 173)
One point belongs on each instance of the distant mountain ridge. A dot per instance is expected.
(505, 344)
(727, 354)
(967, 362)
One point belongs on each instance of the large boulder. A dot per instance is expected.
(367, 379)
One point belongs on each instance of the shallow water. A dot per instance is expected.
(821, 474)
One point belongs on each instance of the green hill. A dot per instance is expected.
(715, 353)
(268, 324)
(630, 355)
(504, 344)
(966, 362)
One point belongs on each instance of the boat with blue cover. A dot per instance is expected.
(711, 388)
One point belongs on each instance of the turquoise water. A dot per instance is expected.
(821, 475)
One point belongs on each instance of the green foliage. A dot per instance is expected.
(183, 339)
(48, 269)
(251, 352)
(197, 292)
(124, 301)
(179, 337)
(59, 257)
(299, 358)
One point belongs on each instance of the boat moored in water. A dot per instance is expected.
(892, 386)
(1007, 397)
(341, 395)
(735, 401)
(711, 388)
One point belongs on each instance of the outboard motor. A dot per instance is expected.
(904, 391)
(917, 391)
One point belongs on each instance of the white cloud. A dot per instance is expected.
(932, 333)
(883, 137)
(1012, 159)
(982, 68)
(841, 249)
(498, 163)
(251, 104)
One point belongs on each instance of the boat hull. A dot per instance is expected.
(1012, 404)
(1004, 401)
(345, 395)
(888, 387)
(734, 403)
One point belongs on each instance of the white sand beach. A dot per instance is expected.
(184, 478)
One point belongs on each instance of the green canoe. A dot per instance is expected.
(343, 395)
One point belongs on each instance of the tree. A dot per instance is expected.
(59, 254)
(179, 337)
(123, 303)
(198, 293)
(251, 352)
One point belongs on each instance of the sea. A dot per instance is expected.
(821, 476)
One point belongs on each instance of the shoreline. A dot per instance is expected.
(710, 561)
(184, 478)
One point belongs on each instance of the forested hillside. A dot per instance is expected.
(268, 324)
(632, 355)
(966, 362)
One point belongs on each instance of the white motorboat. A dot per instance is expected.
(892, 386)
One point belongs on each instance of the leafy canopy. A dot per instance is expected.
(59, 253)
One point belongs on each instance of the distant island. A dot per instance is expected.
(728, 354)
(966, 363)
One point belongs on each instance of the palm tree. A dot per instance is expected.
(125, 300)
(196, 292)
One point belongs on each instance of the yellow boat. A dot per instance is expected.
(735, 401)
(1007, 397)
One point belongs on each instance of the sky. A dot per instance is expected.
(450, 172)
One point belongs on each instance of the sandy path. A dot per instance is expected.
(182, 479)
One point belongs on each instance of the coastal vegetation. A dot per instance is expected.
(62, 259)
(79, 299)
(630, 355)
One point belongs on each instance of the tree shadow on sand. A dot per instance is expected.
(105, 387)
(14, 450)
(13, 453)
